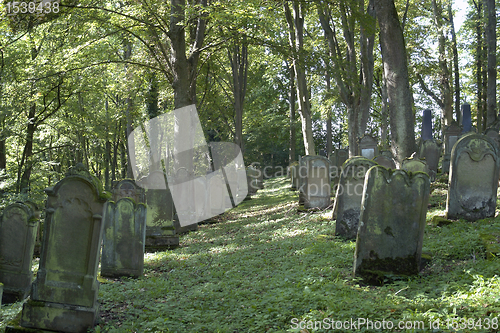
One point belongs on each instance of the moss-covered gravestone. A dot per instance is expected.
(18, 230)
(347, 205)
(127, 188)
(414, 164)
(124, 238)
(315, 189)
(160, 231)
(64, 294)
(391, 224)
(430, 152)
(386, 162)
(252, 179)
(473, 180)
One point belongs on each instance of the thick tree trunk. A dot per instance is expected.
(26, 165)
(479, 67)
(394, 58)
(384, 112)
(329, 116)
(491, 42)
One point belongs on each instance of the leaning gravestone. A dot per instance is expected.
(493, 134)
(18, 230)
(64, 294)
(474, 173)
(391, 224)
(385, 161)
(123, 238)
(160, 231)
(315, 189)
(347, 205)
(342, 156)
(368, 147)
(451, 136)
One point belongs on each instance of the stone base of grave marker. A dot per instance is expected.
(50, 317)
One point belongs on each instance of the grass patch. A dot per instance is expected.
(265, 266)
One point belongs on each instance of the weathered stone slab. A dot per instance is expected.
(64, 294)
(430, 152)
(160, 230)
(368, 147)
(18, 231)
(426, 125)
(391, 224)
(124, 238)
(127, 188)
(466, 118)
(473, 178)
(385, 161)
(347, 205)
(185, 205)
(315, 189)
(342, 156)
(414, 164)
(451, 135)
(253, 175)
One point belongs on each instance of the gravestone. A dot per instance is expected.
(18, 231)
(294, 177)
(124, 238)
(451, 136)
(466, 118)
(391, 224)
(252, 179)
(385, 161)
(64, 294)
(347, 205)
(127, 188)
(217, 193)
(260, 175)
(342, 156)
(493, 134)
(315, 190)
(414, 164)
(160, 213)
(430, 152)
(474, 173)
(368, 147)
(185, 205)
(426, 125)
(201, 197)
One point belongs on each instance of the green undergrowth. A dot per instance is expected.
(265, 267)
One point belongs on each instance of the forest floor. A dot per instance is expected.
(264, 267)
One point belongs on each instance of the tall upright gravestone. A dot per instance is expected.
(315, 189)
(294, 177)
(391, 224)
(18, 230)
(368, 147)
(124, 238)
(466, 118)
(451, 136)
(473, 179)
(64, 294)
(347, 205)
(160, 230)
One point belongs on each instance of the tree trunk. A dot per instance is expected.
(329, 115)
(296, 27)
(458, 114)
(292, 100)
(26, 160)
(444, 74)
(491, 42)
(239, 70)
(394, 59)
(479, 67)
(384, 112)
